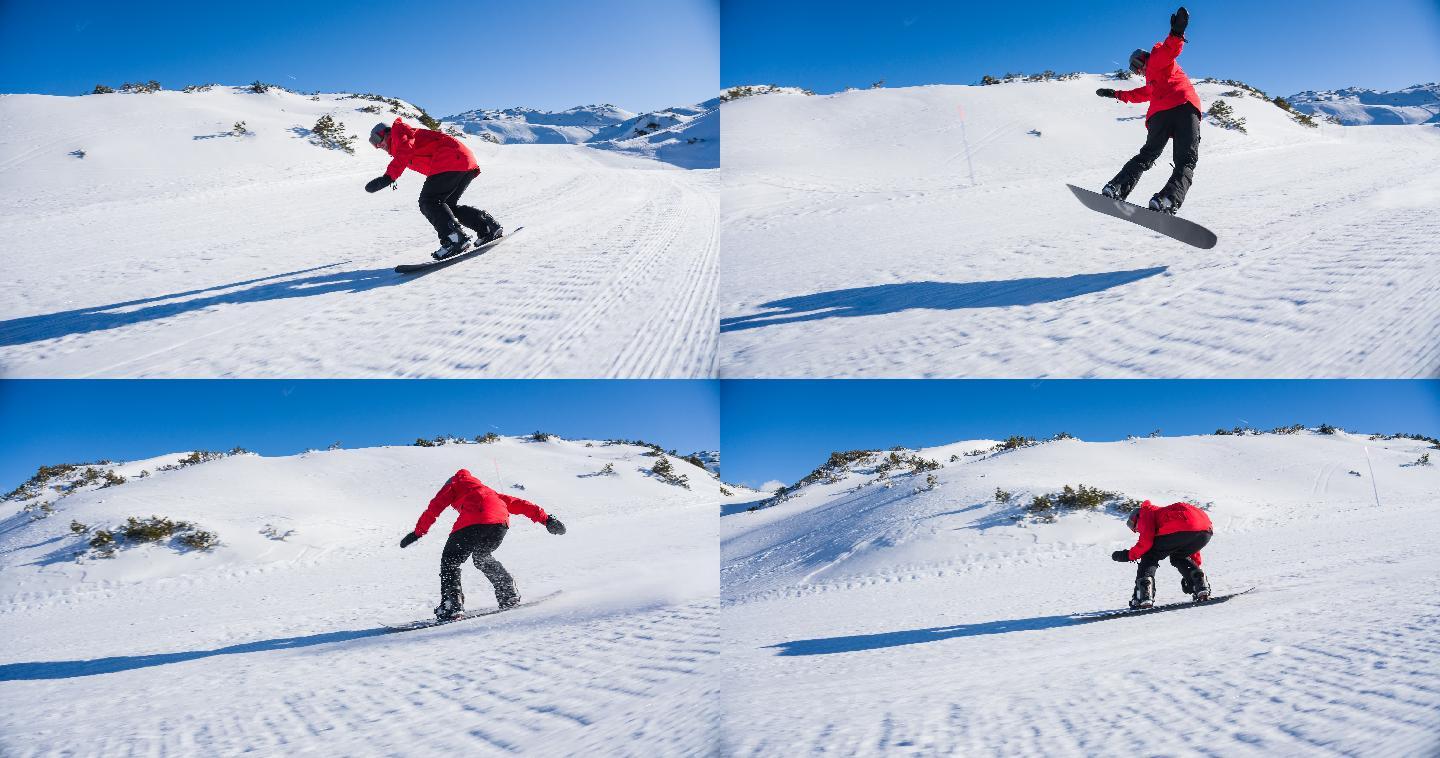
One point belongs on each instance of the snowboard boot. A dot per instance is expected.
(1144, 596)
(1198, 587)
(452, 244)
(508, 602)
(1112, 191)
(1163, 204)
(449, 609)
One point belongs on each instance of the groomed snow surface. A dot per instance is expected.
(275, 647)
(928, 232)
(864, 620)
(177, 248)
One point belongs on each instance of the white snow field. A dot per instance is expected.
(275, 647)
(177, 248)
(864, 620)
(928, 232)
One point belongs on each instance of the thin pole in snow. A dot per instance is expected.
(966, 140)
(1373, 487)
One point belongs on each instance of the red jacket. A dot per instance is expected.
(426, 151)
(477, 504)
(1176, 517)
(1166, 85)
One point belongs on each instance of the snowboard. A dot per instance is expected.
(427, 623)
(410, 268)
(1104, 615)
(1174, 227)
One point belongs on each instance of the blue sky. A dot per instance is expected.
(49, 422)
(781, 430)
(445, 56)
(1280, 47)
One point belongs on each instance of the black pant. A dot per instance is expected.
(1182, 124)
(479, 540)
(439, 197)
(1178, 547)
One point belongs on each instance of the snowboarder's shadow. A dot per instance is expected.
(27, 329)
(857, 642)
(39, 670)
(893, 298)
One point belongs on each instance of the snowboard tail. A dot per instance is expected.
(427, 623)
(1174, 227)
(410, 268)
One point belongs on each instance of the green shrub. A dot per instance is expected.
(487, 438)
(198, 539)
(78, 528)
(540, 436)
(259, 87)
(665, 472)
(330, 133)
(152, 529)
(101, 89)
(239, 129)
(1002, 496)
(1223, 116)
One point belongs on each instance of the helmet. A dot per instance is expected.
(1138, 59)
(1133, 521)
(378, 135)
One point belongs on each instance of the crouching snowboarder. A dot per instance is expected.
(449, 167)
(1178, 532)
(484, 519)
(1174, 114)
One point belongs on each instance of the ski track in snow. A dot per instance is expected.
(959, 640)
(275, 263)
(1325, 265)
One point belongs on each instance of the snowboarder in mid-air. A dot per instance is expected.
(449, 167)
(1174, 114)
(1178, 532)
(484, 519)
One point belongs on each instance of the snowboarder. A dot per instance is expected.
(449, 167)
(484, 519)
(1178, 532)
(1174, 114)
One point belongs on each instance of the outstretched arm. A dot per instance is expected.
(524, 508)
(1139, 95)
(1147, 539)
(440, 502)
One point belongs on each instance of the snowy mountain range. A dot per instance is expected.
(1356, 106)
(687, 136)
(894, 585)
(273, 632)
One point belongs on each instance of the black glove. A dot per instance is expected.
(553, 526)
(1120, 556)
(409, 539)
(378, 183)
(1178, 21)
(1105, 92)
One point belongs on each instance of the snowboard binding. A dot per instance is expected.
(1144, 596)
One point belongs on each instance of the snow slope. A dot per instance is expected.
(176, 248)
(1357, 106)
(938, 624)
(528, 125)
(273, 646)
(927, 232)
